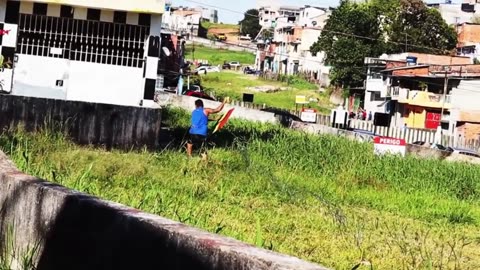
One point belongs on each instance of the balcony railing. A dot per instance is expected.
(421, 98)
(399, 93)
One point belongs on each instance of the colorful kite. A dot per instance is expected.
(223, 120)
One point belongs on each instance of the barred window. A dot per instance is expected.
(82, 40)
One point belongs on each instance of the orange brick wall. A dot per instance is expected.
(470, 131)
(411, 71)
(468, 33)
(297, 33)
(470, 116)
(440, 59)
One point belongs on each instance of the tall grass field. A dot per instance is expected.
(234, 85)
(218, 56)
(324, 199)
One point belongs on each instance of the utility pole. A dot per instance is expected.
(193, 43)
(446, 69)
(445, 88)
(406, 42)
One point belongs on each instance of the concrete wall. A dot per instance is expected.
(188, 103)
(111, 84)
(28, 81)
(222, 45)
(76, 232)
(86, 123)
(82, 81)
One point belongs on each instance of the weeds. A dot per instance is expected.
(13, 258)
(321, 198)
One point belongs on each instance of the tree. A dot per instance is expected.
(355, 31)
(351, 33)
(250, 24)
(421, 29)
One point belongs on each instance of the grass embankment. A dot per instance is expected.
(218, 56)
(210, 25)
(321, 198)
(234, 84)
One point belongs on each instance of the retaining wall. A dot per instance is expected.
(222, 45)
(77, 231)
(86, 123)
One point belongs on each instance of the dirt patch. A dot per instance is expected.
(267, 89)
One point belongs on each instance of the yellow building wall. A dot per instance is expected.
(415, 117)
(139, 6)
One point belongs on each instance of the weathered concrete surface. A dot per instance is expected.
(321, 129)
(188, 103)
(79, 232)
(86, 123)
(426, 152)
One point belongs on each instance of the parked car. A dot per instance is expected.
(226, 65)
(207, 69)
(202, 95)
(196, 91)
(221, 37)
(249, 70)
(235, 64)
(203, 65)
(432, 145)
(466, 152)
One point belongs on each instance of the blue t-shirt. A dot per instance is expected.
(199, 122)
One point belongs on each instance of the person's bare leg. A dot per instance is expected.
(189, 149)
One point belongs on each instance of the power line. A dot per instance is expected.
(330, 31)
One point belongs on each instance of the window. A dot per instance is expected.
(375, 96)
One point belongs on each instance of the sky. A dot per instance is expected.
(231, 11)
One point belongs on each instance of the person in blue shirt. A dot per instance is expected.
(199, 126)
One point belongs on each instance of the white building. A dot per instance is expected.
(458, 13)
(183, 19)
(376, 86)
(313, 16)
(295, 30)
(209, 14)
(313, 65)
(101, 51)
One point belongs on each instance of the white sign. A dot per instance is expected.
(309, 116)
(393, 146)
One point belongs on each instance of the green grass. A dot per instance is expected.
(322, 198)
(218, 56)
(234, 84)
(10, 255)
(209, 25)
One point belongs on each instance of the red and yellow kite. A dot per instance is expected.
(223, 120)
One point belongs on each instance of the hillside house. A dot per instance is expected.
(468, 43)
(457, 12)
(102, 51)
(411, 86)
(294, 32)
